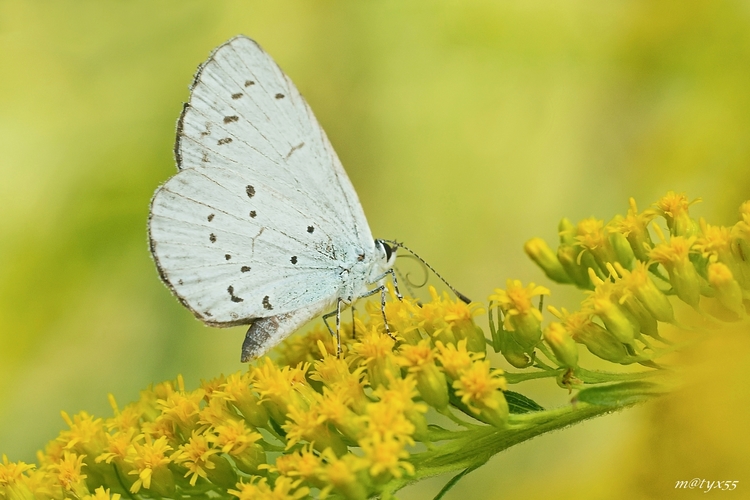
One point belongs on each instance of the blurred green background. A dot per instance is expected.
(466, 127)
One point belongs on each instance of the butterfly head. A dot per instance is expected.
(386, 252)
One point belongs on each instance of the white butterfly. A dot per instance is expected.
(261, 224)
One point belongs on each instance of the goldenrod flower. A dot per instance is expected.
(149, 461)
(376, 352)
(236, 390)
(674, 208)
(282, 387)
(639, 283)
(450, 321)
(343, 475)
(197, 456)
(728, 291)
(86, 434)
(479, 389)
(594, 237)
(101, 494)
(431, 383)
(384, 453)
(674, 255)
(597, 340)
(562, 344)
(334, 373)
(182, 409)
(456, 358)
(634, 226)
(68, 474)
(283, 489)
(523, 321)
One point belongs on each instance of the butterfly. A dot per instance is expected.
(261, 225)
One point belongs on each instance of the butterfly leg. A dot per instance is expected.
(382, 291)
(393, 279)
(337, 313)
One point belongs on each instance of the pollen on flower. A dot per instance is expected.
(591, 234)
(233, 436)
(455, 358)
(85, 435)
(68, 472)
(12, 472)
(303, 463)
(146, 458)
(283, 488)
(182, 408)
(477, 385)
(119, 445)
(714, 241)
(101, 494)
(195, 455)
(385, 453)
(516, 300)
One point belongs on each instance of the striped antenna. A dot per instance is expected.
(461, 296)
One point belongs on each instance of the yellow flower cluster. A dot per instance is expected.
(307, 423)
(629, 278)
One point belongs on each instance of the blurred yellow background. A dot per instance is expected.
(466, 127)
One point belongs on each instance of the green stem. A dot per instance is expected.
(475, 447)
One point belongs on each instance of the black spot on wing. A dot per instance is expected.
(225, 140)
(210, 217)
(212, 238)
(253, 214)
(232, 296)
(267, 303)
(248, 83)
(310, 229)
(245, 269)
(230, 119)
(279, 96)
(227, 256)
(250, 190)
(293, 259)
(237, 95)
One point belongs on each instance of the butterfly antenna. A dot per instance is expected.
(406, 281)
(461, 296)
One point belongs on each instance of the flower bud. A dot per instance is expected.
(602, 344)
(568, 255)
(592, 236)
(250, 458)
(675, 257)
(222, 473)
(623, 250)
(634, 227)
(728, 291)
(538, 250)
(641, 285)
(562, 344)
(674, 208)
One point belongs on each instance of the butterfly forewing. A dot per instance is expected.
(250, 226)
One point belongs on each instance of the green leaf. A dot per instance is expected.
(518, 403)
(622, 394)
(450, 484)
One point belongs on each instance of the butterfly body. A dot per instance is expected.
(261, 224)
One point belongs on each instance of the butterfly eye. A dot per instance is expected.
(387, 248)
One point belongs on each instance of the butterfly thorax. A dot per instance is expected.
(364, 268)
